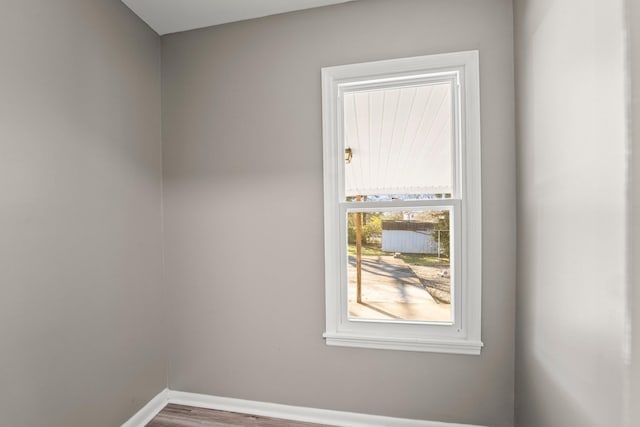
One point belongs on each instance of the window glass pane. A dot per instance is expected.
(401, 260)
(398, 140)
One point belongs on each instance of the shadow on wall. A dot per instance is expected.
(536, 410)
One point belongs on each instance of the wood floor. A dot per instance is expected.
(188, 416)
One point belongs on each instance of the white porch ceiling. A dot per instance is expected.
(401, 140)
(170, 16)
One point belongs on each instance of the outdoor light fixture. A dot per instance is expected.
(348, 154)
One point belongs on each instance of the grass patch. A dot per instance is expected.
(413, 259)
(424, 260)
(368, 250)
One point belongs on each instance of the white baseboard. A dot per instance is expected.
(274, 410)
(148, 411)
(298, 413)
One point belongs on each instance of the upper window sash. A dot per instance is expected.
(451, 75)
(410, 80)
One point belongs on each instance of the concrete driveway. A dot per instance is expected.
(392, 291)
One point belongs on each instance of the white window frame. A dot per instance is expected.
(463, 334)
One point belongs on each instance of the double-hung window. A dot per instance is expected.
(402, 203)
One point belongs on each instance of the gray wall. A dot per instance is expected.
(80, 195)
(243, 198)
(633, 16)
(571, 213)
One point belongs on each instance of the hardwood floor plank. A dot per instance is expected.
(188, 416)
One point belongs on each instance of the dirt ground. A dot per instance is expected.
(436, 280)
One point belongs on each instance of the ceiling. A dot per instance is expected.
(170, 16)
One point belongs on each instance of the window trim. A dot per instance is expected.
(463, 335)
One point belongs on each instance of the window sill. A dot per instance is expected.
(404, 344)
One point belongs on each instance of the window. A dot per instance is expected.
(402, 204)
